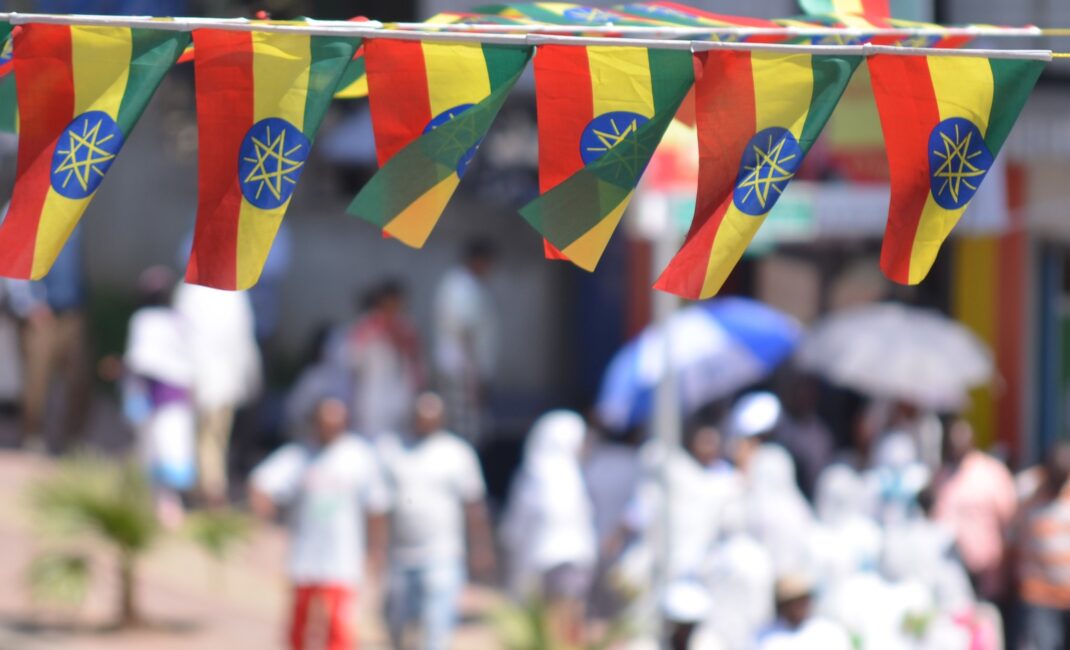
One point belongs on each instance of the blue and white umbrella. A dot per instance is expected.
(714, 348)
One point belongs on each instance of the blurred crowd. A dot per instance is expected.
(756, 531)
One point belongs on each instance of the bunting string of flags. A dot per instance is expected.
(73, 88)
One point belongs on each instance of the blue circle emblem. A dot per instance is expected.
(607, 131)
(270, 160)
(959, 159)
(445, 116)
(586, 15)
(770, 161)
(84, 152)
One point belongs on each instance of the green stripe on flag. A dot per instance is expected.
(355, 69)
(435, 155)
(502, 64)
(1012, 81)
(331, 56)
(831, 76)
(153, 53)
(9, 105)
(669, 71)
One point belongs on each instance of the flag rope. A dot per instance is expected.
(374, 29)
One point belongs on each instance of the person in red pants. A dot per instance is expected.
(334, 491)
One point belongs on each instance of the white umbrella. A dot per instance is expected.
(894, 351)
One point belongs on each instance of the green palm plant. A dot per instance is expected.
(111, 500)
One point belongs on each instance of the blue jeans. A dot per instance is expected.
(428, 596)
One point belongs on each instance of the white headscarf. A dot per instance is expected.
(549, 520)
(778, 514)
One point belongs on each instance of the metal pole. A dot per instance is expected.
(666, 420)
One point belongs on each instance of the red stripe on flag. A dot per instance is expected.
(397, 94)
(224, 80)
(880, 8)
(725, 121)
(564, 101)
(906, 101)
(565, 104)
(45, 82)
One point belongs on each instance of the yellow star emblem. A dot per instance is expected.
(956, 168)
(273, 163)
(767, 173)
(614, 136)
(84, 155)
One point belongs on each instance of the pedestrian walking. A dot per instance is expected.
(158, 393)
(466, 339)
(437, 519)
(227, 362)
(333, 488)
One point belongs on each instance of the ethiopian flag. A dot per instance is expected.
(758, 113)
(260, 99)
(944, 119)
(9, 102)
(354, 81)
(602, 111)
(82, 90)
(431, 105)
(557, 13)
(875, 8)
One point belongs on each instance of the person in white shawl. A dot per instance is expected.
(778, 515)
(548, 528)
(226, 373)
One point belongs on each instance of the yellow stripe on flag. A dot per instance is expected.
(281, 64)
(847, 6)
(963, 88)
(456, 74)
(355, 90)
(783, 91)
(620, 80)
(100, 63)
(412, 226)
(587, 250)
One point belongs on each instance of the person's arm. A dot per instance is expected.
(481, 556)
(261, 504)
(378, 527)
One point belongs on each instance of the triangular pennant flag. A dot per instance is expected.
(260, 99)
(758, 114)
(944, 120)
(602, 111)
(82, 90)
(431, 105)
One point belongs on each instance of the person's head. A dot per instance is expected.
(390, 297)
(1057, 467)
(155, 285)
(479, 256)
(799, 393)
(559, 434)
(793, 599)
(429, 414)
(750, 423)
(958, 441)
(330, 420)
(703, 442)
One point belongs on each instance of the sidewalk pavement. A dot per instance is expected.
(190, 600)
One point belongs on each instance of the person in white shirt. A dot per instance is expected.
(466, 339)
(157, 395)
(437, 495)
(548, 525)
(227, 373)
(334, 489)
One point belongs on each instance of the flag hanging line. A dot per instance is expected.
(372, 29)
(734, 30)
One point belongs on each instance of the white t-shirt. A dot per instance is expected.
(430, 481)
(331, 490)
(464, 312)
